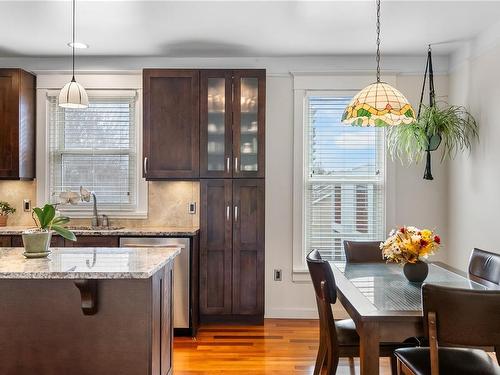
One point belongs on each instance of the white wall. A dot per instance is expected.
(474, 179)
(415, 202)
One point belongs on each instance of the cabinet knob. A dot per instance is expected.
(145, 165)
(236, 164)
(235, 213)
(228, 212)
(228, 161)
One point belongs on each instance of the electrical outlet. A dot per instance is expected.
(26, 205)
(277, 275)
(192, 208)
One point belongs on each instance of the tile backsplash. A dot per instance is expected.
(168, 204)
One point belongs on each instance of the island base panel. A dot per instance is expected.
(43, 330)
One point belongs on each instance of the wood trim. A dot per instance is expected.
(433, 342)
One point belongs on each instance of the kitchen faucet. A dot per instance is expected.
(85, 196)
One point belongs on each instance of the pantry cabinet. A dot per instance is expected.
(17, 124)
(232, 250)
(232, 123)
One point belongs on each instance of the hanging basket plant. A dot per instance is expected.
(450, 127)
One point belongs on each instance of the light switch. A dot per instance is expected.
(192, 208)
(26, 205)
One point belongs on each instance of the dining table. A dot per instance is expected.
(384, 305)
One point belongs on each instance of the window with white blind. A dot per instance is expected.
(344, 192)
(95, 148)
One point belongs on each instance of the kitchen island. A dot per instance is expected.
(82, 311)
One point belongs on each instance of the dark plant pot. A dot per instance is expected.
(36, 244)
(416, 272)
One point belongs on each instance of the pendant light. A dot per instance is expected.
(378, 104)
(73, 95)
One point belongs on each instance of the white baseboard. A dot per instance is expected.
(292, 313)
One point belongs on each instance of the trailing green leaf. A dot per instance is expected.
(454, 124)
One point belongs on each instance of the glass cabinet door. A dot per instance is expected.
(248, 147)
(215, 116)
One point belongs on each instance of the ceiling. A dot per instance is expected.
(238, 28)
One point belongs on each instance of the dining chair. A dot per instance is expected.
(363, 252)
(337, 338)
(484, 267)
(455, 319)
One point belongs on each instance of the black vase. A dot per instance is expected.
(416, 272)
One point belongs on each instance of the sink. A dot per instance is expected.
(89, 227)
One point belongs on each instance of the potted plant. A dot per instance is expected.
(410, 246)
(5, 210)
(36, 242)
(451, 126)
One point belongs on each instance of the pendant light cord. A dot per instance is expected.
(378, 41)
(73, 46)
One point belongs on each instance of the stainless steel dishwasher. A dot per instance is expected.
(181, 272)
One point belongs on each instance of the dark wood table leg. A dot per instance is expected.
(369, 342)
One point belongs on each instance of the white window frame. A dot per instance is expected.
(50, 83)
(341, 84)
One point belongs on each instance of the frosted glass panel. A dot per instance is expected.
(216, 124)
(249, 124)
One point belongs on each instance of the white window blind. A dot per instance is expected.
(344, 178)
(95, 148)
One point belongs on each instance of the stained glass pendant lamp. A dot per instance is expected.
(379, 104)
(73, 95)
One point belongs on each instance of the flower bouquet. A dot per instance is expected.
(410, 245)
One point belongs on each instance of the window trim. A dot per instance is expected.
(47, 84)
(323, 84)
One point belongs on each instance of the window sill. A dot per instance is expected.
(301, 276)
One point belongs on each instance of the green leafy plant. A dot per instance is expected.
(47, 220)
(454, 125)
(6, 209)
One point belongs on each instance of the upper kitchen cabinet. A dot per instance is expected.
(171, 124)
(17, 124)
(232, 120)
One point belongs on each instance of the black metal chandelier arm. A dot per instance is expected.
(378, 41)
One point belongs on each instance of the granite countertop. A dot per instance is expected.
(86, 263)
(130, 231)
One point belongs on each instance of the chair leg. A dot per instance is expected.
(394, 365)
(332, 362)
(320, 358)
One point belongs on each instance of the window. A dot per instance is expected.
(343, 179)
(95, 148)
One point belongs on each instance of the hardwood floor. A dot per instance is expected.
(280, 346)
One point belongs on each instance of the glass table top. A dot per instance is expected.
(385, 286)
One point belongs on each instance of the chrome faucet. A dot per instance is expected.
(85, 196)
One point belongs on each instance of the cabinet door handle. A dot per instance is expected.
(236, 164)
(145, 165)
(228, 160)
(235, 213)
(228, 212)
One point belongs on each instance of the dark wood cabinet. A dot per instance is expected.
(216, 247)
(248, 246)
(171, 124)
(17, 124)
(93, 241)
(232, 250)
(232, 123)
(55, 241)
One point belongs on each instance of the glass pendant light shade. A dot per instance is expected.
(379, 104)
(73, 95)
